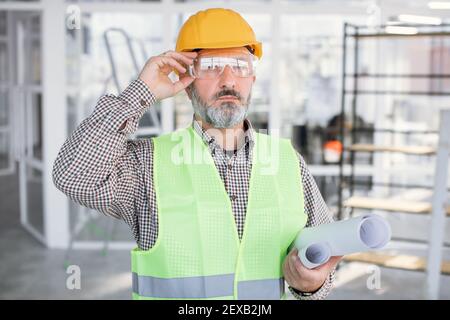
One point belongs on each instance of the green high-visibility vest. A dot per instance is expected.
(198, 254)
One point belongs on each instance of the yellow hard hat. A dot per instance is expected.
(217, 28)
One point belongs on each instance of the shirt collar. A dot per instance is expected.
(249, 135)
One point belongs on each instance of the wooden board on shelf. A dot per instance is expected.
(418, 150)
(420, 207)
(405, 262)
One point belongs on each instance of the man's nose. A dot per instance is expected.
(227, 78)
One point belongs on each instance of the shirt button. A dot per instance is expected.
(143, 102)
(233, 197)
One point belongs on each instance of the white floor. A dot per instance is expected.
(30, 271)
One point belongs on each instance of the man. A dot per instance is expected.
(214, 226)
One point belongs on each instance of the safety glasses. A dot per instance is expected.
(212, 66)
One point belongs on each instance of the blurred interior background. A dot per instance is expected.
(358, 85)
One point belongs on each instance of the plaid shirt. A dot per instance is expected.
(98, 167)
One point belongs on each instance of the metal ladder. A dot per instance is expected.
(434, 264)
(114, 76)
(439, 204)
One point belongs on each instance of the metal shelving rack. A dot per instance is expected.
(438, 207)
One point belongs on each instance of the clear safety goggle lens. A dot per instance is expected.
(210, 67)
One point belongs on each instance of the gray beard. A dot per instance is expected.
(227, 115)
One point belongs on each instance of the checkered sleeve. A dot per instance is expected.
(318, 213)
(97, 166)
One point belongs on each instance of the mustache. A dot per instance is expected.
(228, 92)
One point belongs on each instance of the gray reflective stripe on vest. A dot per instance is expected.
(189, 287)
(268, 289)
(206, 287)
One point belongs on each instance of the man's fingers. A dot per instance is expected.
(173, 63)
(292, 267)
(182, 83)
(329, 265)
(190, 54)
(293, 263)
(334, 261)
(287, 272)
(296, 272)
(300, 268)
(185, 53)
(183, 58)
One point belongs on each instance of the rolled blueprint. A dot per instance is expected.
(364, 233)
